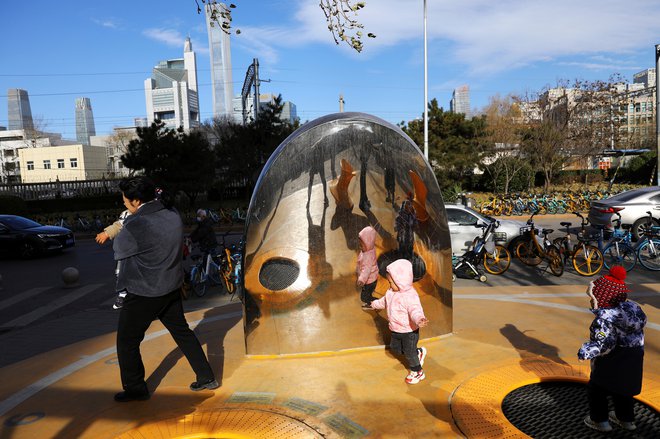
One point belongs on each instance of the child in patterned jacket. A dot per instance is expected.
(405, 315)
(616, 351)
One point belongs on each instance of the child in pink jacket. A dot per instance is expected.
(367, 268)
(405, 315)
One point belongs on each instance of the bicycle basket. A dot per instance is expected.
(525, 229)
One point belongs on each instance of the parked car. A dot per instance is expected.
(632, 206)
(462, 221)
(26, 238)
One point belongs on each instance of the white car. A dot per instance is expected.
(462, 221)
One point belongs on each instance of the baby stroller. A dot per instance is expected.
(484, 250)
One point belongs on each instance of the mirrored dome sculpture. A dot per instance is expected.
(324, 183)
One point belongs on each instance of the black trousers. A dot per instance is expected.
(406, 343)
(135, 318)
(365, 293)
(623, 405)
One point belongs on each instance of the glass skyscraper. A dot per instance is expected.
(84, 120)
(18, 110)
(460, 101)
(221, 79)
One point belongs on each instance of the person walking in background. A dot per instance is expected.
(204, 234)
(149, 248)
(406, 316)
(109, 233)
(367, 268)
(616, 351)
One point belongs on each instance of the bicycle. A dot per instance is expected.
(531, 252)
(648, 247)
(587, 260)
(495, 258)
(619, 251)
(203, 270)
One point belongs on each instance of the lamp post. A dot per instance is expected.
(657, 109)
(426, 92)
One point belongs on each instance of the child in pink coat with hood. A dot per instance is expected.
(367, 268)
(405, 315)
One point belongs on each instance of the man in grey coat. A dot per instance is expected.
(149, 248)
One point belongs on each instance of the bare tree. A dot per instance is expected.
(339, 15)
(504, 130)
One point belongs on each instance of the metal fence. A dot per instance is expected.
(60, 189)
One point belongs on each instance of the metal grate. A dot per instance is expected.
(557, 410)
(278, 273)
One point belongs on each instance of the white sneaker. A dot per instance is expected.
(630, 426)
(421, 352)
(415, 377)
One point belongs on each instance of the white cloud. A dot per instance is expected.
(170, 37)
(106, 23)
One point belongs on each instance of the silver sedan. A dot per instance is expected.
(632, 205)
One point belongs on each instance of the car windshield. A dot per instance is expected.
(18, 222)
(626, 196)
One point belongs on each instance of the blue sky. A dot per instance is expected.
(105, 50)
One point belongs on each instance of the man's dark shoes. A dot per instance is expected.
(128, 396)
(201, 385)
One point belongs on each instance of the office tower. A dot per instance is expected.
(460, 101)
(84, 120)
(18, 110)
(171, 92)
(221, 78)
(646, 77)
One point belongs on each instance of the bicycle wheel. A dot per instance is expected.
(198, 282)
(648, 254)
(526, 252)
(214, 273)
(560, 243)
(497, 262)
(587, 260)
(555, 262)
(619, 254)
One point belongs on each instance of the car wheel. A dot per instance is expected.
(28, 250)
(641, 226)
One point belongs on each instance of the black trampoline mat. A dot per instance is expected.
(557, 410)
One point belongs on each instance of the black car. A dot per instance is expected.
(23, 237)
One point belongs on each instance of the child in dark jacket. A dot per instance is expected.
(367, 268)
(616, 351)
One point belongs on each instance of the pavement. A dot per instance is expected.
(504, 337)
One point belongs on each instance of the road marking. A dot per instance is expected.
(34, 388)
(522, 298)
(30, 317)
(22, 296)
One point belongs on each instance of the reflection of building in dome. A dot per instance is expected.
(302, 236)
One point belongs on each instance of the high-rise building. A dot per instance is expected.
(219, 49)
(646, 77)
(460, 101)
(18, 110)
(84, 120)
(171, 92)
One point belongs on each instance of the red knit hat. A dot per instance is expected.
(610, 290)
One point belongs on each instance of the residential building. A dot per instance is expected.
(115, 145)
(460, 101)
(222, 88)
(84, 120)
(63, 163)
(11, 141)
(289, 112)
(18, 110)
(171, 92)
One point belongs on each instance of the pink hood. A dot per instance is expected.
(367, 268)
(404, 309)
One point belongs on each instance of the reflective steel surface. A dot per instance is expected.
(324, 183)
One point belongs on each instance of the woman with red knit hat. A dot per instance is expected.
(616, 351)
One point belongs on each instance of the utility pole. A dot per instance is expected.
(426, 94)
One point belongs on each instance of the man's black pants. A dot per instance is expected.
(135, 318)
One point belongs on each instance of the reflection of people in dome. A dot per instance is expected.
(367, 268)
(406, 316)
(404, 224)
(390, 185)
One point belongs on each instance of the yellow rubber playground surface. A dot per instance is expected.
(504, 338)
